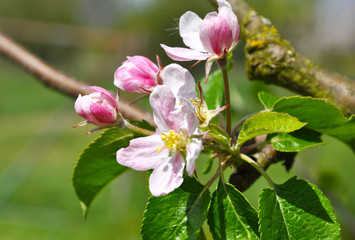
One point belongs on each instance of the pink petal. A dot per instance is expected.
(167, 176)
(82, 107)
(104, 114)
(215, 34)
(179, 80)
(184, 54)
(144, 64)
(132, 79)
(193, 151)
(107, 95)
(142, 154)
(189, 28)
(163, 103)
(228, 14)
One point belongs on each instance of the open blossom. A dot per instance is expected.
(99, 107)
(137, 74)
(211, 38)
(174, 146)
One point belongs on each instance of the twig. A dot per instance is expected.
(57, 80)
(272, 59)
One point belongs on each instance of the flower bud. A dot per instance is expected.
(137, 74)
(99, 107)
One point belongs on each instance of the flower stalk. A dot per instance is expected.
(222, 64)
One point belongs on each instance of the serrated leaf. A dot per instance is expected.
(231, 216)
(178, 215)
(97, 165)
(218, 135)
(296, 141)
(321, 116)
(267, 99)
(296, 210)
(268, 122)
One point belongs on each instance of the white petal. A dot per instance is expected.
(223, 3)
(179, 80)
(189, 27)
(163, 103)
(184, 54)
(167, 176)
(142, 154)
(208, 67)
(193, 151)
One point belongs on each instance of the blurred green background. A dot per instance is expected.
(89, 39)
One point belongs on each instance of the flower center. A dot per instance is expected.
(173, 141)
(200, 109)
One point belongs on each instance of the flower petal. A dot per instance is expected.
(134, 78)
(104, 93)
(193, 151)
(163, 103)
(179, 80)
(142, 154)
(184, 54)
(228, 14)
(167, 176)
(189, 28)
(105, 114)
(216, 34)
(223, 3)
(186, 117)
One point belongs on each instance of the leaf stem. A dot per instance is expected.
(137, 129)
(222, 63)
(258, 168)
(221, 168)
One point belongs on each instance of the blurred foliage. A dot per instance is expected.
(39, 148)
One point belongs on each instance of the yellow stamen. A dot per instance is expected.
(174, 140)
(159, 148)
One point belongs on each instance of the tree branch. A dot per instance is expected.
(57, 80)
(272, 59)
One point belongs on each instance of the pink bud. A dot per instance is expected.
(99, 107)
(137, 74)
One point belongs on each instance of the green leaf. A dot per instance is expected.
(296, 210)
(208, 165)
(218, 135)
(296, 141)
(97, 165)
(321, 116)
(213, 90)
(231, 216)
(178, 215)
(268, 122)
(267, 99)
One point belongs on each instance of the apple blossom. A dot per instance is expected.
(211, 38)
(137, 74)
(99, 107)
(174, 146)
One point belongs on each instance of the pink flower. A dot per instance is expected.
(211, 38)
(174, 146)
(137, 74)
(99, 107)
